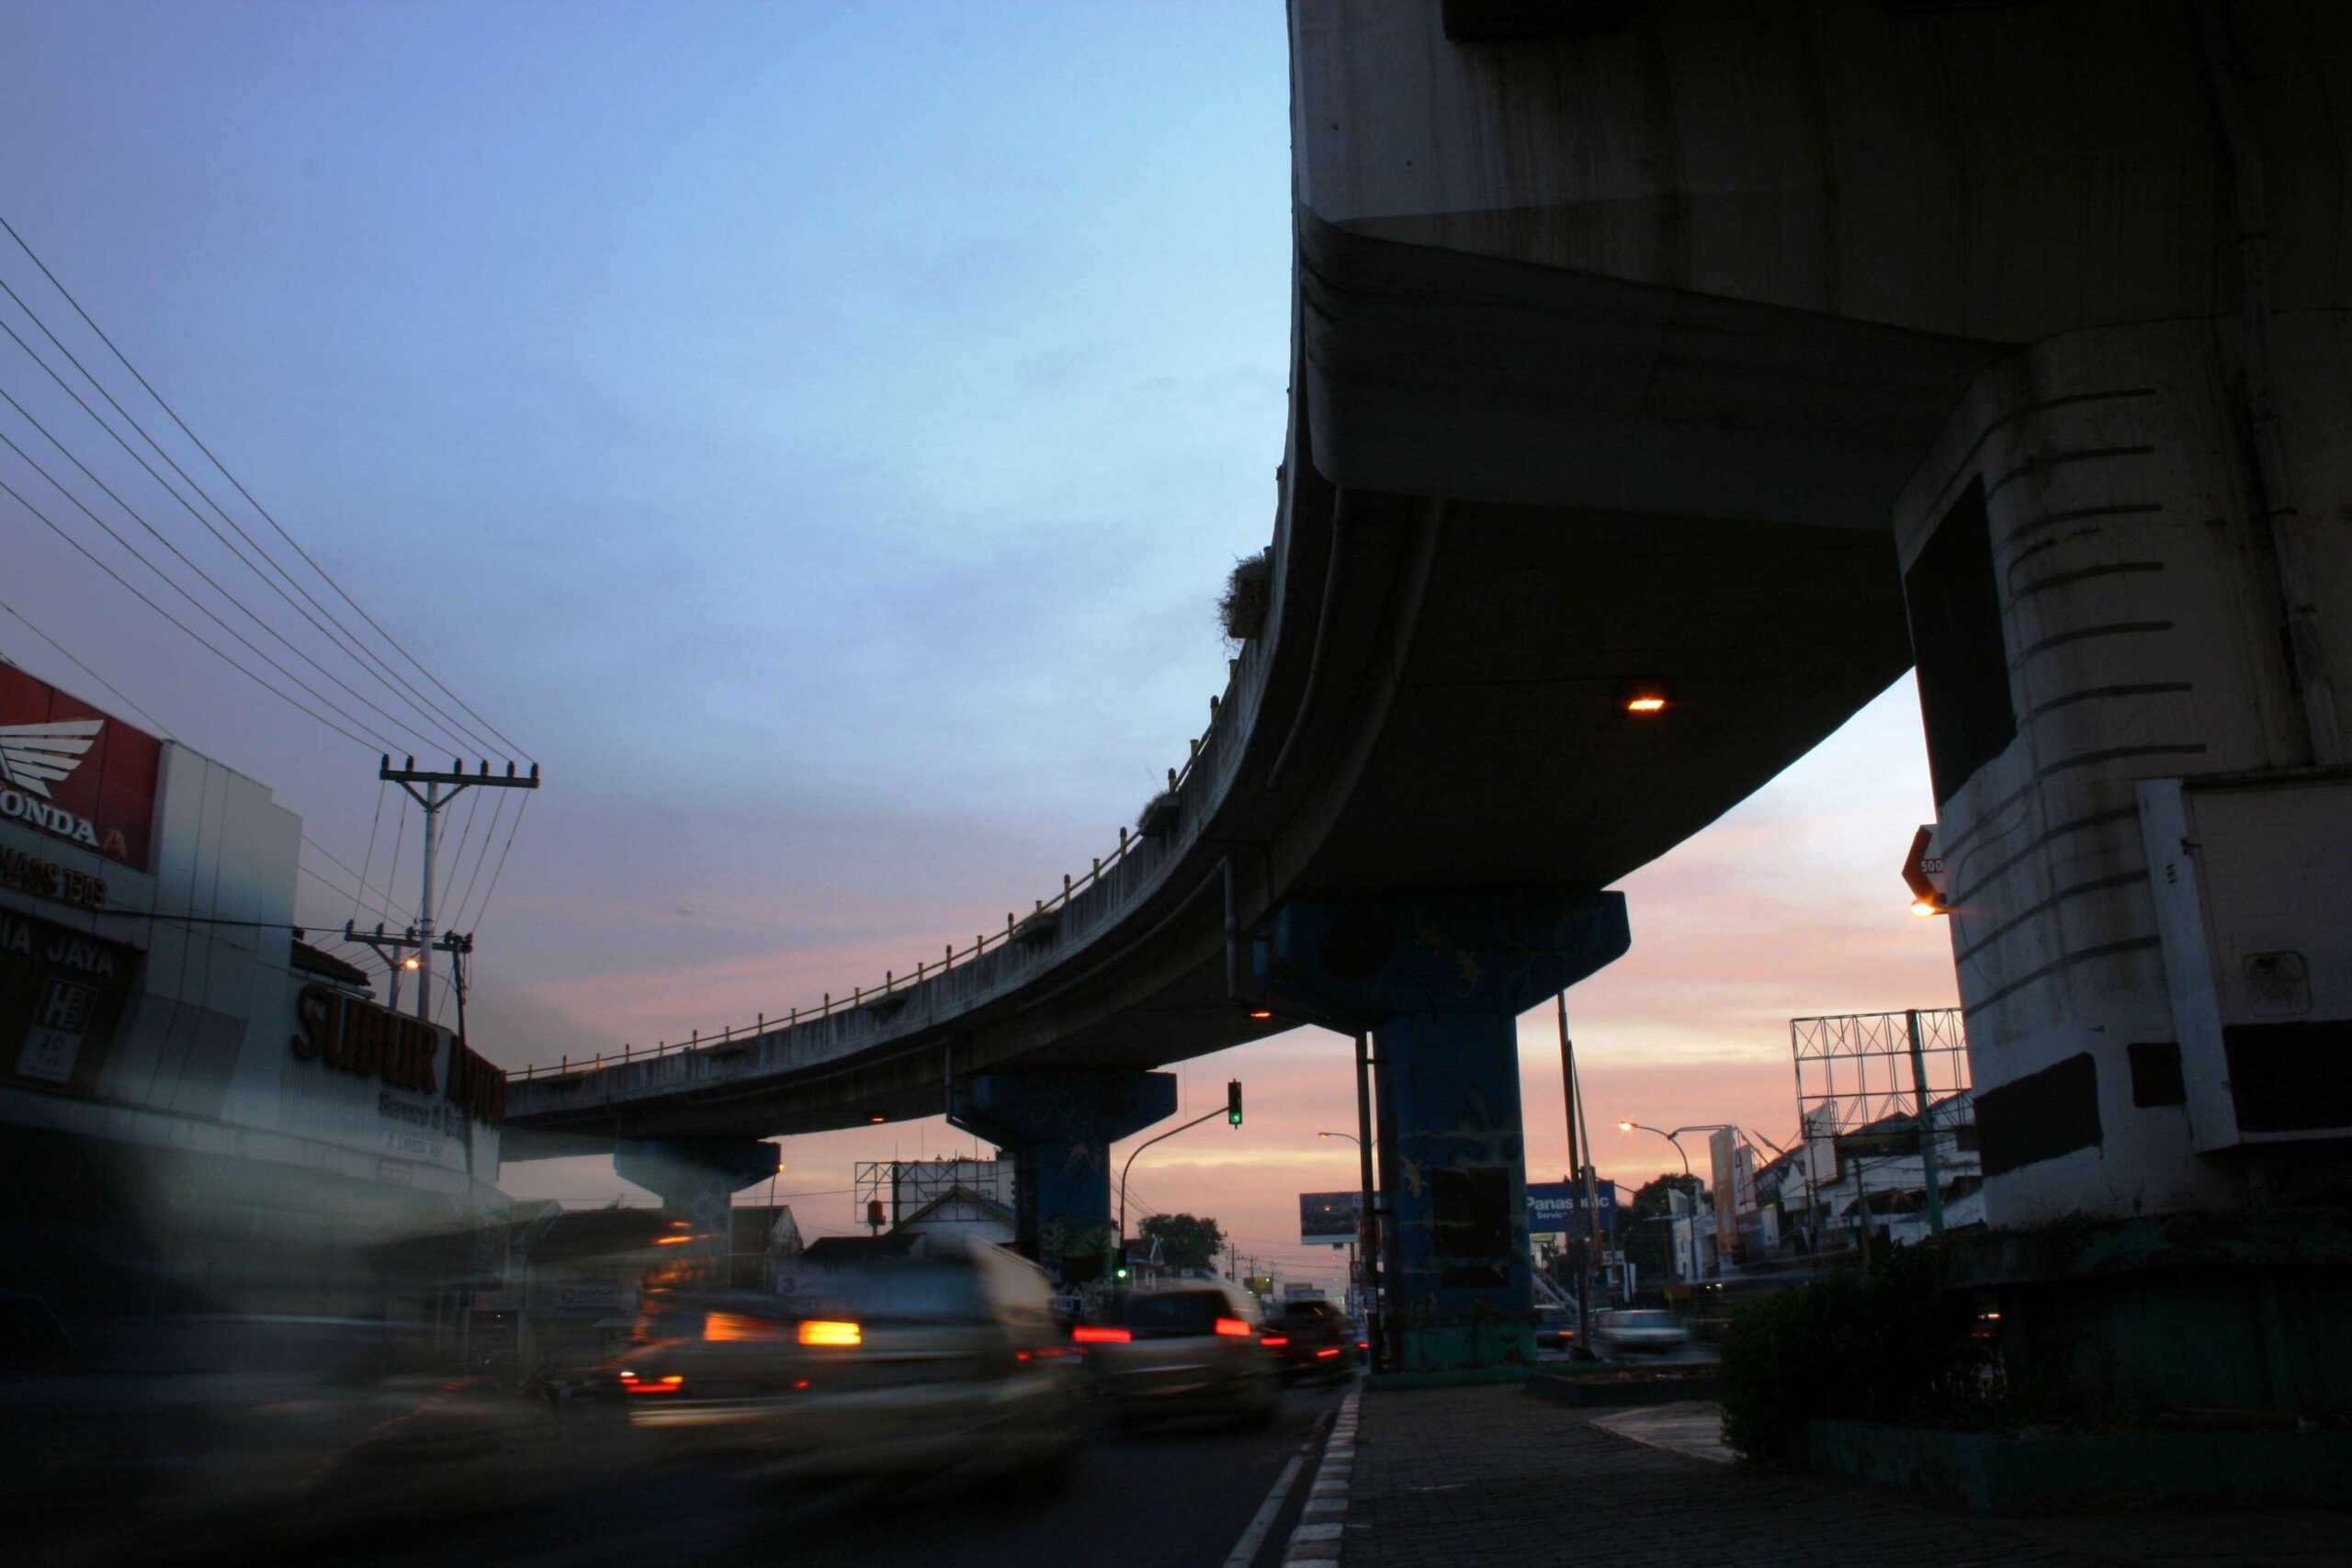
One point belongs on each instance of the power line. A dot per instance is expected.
(124, 361)
(82, 404)
(497, 809)
(85, 669)
(207, 578)
(10, 491)
(369, 862)
(383, 898)
(484, 913)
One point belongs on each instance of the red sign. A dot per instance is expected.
(74, 772)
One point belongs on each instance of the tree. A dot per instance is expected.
(1185, 1241)
(1645, 1242)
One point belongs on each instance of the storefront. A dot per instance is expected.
(204, 1114)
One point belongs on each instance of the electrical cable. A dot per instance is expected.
(383, 899)
(139, 518)
(497, 809)
(165, 577)
(334, 639)
(85, 669)
(484, 913)
(324, 576)
(10, 491)
(368, 863)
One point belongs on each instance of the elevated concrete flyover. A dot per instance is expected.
(1642, 349)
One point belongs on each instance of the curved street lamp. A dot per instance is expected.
(1349, 1136)
(1674, 1137)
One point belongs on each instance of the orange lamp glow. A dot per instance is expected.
(736, 1328)
(1648, 701)
(877, 1118)
(1259, 1012)
(827, 1331)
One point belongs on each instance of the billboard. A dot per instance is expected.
(1558, 1207)
(79, 775)
(1327, 1217)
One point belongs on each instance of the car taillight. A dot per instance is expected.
(1094, 1334)
(1234, 1328)
(1364, 1344)
(632, 1384)
(821, 1331)
(1323, 1355)
(1274, 1341)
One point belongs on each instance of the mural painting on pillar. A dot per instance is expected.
(1441, 980)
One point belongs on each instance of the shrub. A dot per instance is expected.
(1894, 1344)
(1249, 595)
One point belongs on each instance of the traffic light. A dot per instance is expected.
(1233, 1101)
(1119, 1264)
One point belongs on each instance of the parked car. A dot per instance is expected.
(952, 1361)
(1641, 1329)
(1192, 1347)
(1313, 1336)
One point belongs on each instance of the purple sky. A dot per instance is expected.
(817, 434)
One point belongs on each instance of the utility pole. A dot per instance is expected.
(1579, 1173)
(388, 945)
(440, 788)
(1928, 1170)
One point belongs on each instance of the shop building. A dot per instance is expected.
(203, 1113)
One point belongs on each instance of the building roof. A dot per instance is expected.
(328, 966)
(959, 1193)
(856, 1248)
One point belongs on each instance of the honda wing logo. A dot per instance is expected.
(34, 756)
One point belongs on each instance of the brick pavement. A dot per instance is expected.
(1468, 1477)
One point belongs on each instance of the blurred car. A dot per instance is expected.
(950, 1362)
(1312, 1337)
(1641, 1329)
(1556, 1327)
(1192, 1348)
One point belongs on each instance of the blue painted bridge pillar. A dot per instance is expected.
(1441, 981)
(1058, 1127)
(696, 1179)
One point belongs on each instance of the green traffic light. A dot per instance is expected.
(1233, 1101)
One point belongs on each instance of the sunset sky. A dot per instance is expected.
(818, 435)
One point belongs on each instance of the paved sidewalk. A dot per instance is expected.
(1469, 1477)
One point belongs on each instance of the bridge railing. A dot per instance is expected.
(924, 970)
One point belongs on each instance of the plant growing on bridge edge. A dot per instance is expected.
(1248, 596)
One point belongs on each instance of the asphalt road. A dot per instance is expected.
(458, 1476)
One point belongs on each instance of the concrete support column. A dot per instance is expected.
(1058, 1128)
(1442, 980)
(696, 1179)
(2130, 588)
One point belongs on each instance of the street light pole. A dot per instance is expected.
(1674, 1137)
(1121, 1239)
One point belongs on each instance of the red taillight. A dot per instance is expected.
(1234, 1328)
(632, 1384)
(1095, 1334)
(1325, 1355)
(1274, 1341)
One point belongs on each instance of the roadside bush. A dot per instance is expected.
(1893, 1344)
(1248, 596)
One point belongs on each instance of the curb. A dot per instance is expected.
(1315, 1537)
